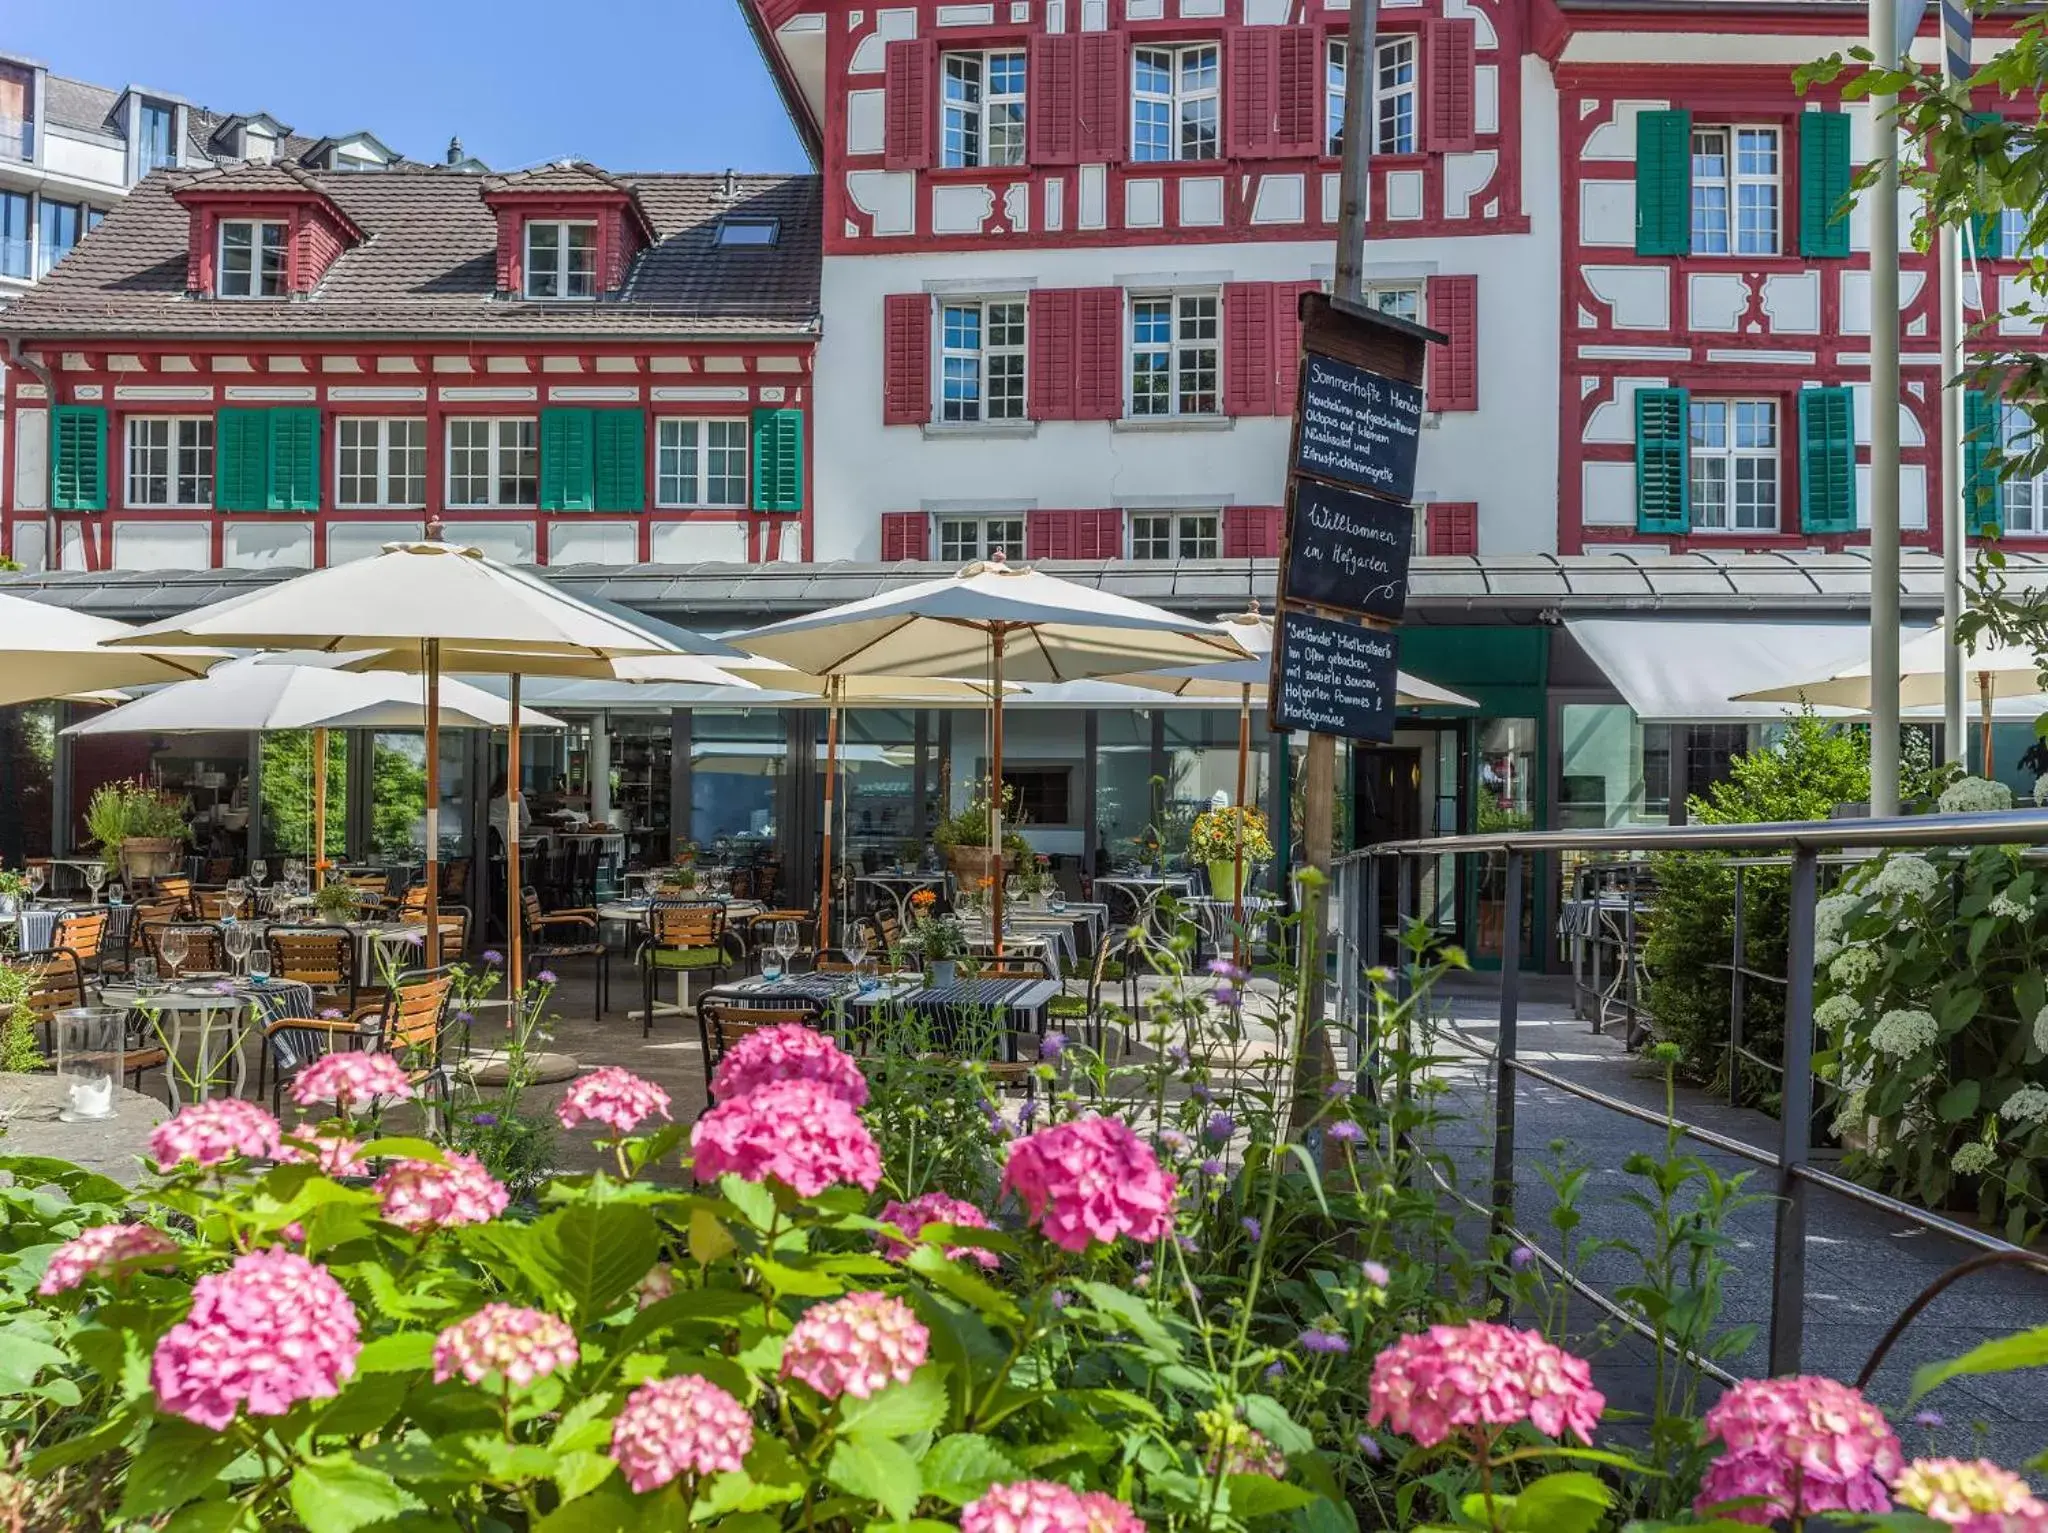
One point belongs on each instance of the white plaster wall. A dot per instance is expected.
(84, 159)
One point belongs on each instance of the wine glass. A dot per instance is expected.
(37, 875)
(785, 941)
(259, 870)
(239, 940)
(95, 875)
(172, 946)
(857, 945)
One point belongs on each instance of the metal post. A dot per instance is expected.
(255, 795)
(1954, 522)
(1737, 999)
(1504, 1050)
(1795, 1123)
(682, 819)
(1884, 427)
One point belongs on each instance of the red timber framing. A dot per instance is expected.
(887, 187)
(437, 382)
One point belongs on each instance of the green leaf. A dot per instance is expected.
(902, 1410)
(365, 1404)
(803, 1282)
(1959, 1101)
(338, 1494)
(951, 1277)
(709, 1238)
(401, 1148)
(2028, 1349)
(1135, 1314)
(877, 1470)
(585, 1257)
(1570, 1501)
(754, 1202)
(400, 1352)
(1270, 1418)
(959, 1468)
(179, 1462)
(1260, 1495)
(580, 1472)
(214, 1517)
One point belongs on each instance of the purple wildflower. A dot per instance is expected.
(1212, 1167)
(1376, 1274)
(1219, 1127)
(332, 1014)
(465, 1017)
(1061, 1298)
(1277, 1369)
(1520, 1258)
(1336, 1089)
(1177, 1056)
(1930, 1420)
(1052, 1045)
(1369, 1446)
(1188, 1243)
(414, 936)
(1223, 968)
(1228, 995)
(546, 977)
(484, 1119)
(1027, 1112)
(1252, 1227)
(1344, 1131)
(493, 956)
(1316, 1339)
(1174, 1140)
(1200, 1093)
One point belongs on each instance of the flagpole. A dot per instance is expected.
(1884, 425)
(1956, 29)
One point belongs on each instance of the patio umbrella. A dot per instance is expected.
(302, 691)
(48, 651)
(424, 598)
(1015, 621)
(2001, 670)
(1254, 630)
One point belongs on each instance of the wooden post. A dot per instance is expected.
(515, 924)
(995, 784)
(431, 950)
(319, 809)
(1984, 713)
(1244, 752)
(832, 686)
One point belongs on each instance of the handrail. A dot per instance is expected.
(2025, 827)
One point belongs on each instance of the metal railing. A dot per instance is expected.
(1361, 943)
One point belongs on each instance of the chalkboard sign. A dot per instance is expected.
(1348, 551)
(1359, 428)
(1333, 677)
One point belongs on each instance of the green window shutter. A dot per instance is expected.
(241, 460)
(1663, 183)
(778, 460)
(1984, 504)
(1827, 461)
(1985, 242)
(294, 460)
(565, 460)
(78, 458)
(1663, 473)
(1824, 183)
(621, 455)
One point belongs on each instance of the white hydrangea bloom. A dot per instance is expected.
(1831, 914)
(1837, 1012)
(1851, 1116)
(1973, 1159)
(1824, 953)
(1907, 876)
(2041, 790)
(2007, 908)
(2029, 1104)
(1975, 795)
(1856, 967)
(2041, 1029)
(1903, 1034)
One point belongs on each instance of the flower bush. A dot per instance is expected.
(1215, 833)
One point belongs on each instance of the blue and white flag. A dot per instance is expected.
(1957, 28)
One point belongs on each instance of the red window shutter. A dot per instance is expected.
(1098, 353)
(1251, 532)
(1052, 354)
(1248, 92)
(511, 231)
(906, 535)
(1248, 358)
(1049, 534)
(1054, 64)
(1298, 91)
(1287, 342)
(1453, 382)
(1449, 75)
(1452, 526)
(1099, 535)
(906, 359)
(1105, 98)
(913, 65)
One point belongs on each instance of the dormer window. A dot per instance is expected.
(749, 233)
(251, 259)
(561, 259)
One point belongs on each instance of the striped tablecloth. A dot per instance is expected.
(37, 927)
(969, 1009)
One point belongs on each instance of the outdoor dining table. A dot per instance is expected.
(1017, 1005)
(215, 1012)
(633, 913)
(36, 925)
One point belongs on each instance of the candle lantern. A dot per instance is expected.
(91, 1041)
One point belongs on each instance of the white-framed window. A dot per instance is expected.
(1734, 455)
(749, 233)
(1176, 534)
(981, 118)
(380, 460)
(1393, 96)
(966, 538)
(494, 461)
(981, 360)
(1736, 190)
(1176, 355)
(561, 260)
(251, 259)
(700, 462)
(1175, 98)
(2025, 495)
(170, 460)
(1403, 300)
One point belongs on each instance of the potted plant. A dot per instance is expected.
(963, 837)
(140, 829)
(1216, 837)
(14, 893)
(938, 938)
(337, 903)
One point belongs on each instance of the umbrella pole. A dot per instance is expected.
(319, 810)
(515, 972)
(995, 784)
(433, 942)
(1244, 751)
(831, 786)
(1984, 714)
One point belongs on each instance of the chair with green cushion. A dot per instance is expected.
(684, 937)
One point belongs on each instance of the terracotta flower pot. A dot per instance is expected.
(149, 857)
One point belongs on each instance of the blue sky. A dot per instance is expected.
(628, 84)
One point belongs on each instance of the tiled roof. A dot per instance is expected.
(427, 266)
(76, 104)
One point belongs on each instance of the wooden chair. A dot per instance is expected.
(135, 941)
(373, 890)
(56, 982)
(885, 932)
(760, 929)
(175, 886)
(722, 1022)
(1014, 966)
(684, 937)
(83, 934)
(1086, 1008)
(321, 956)
(556, 934)
(204, 949)
(414, 901)
(408, 1024)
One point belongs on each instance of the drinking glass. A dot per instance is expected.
(1056, 900)
(259, 870)
(785, 941)
(172, 945)
(116, 893)
(259, 961)
(36, 878)
(239, 941)
(857, 946)
(771, 964)
(95, 875)
(145, 973)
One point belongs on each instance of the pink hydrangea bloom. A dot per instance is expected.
(272, 1330)
(684, 1425)
(351, 1078)
(101, 1247)
(1041, 1506)
(934, 1208)
(1800, 1445)
(659, 1284)
(856, 1346)
(207, 1133)
(1975, 1494)
(1452, 1377)
(1090, 1179)
(617, 1098)
(334, 1154)
(796, 1131)
(418, 1194)
(788, 1051)
(519, 1345)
